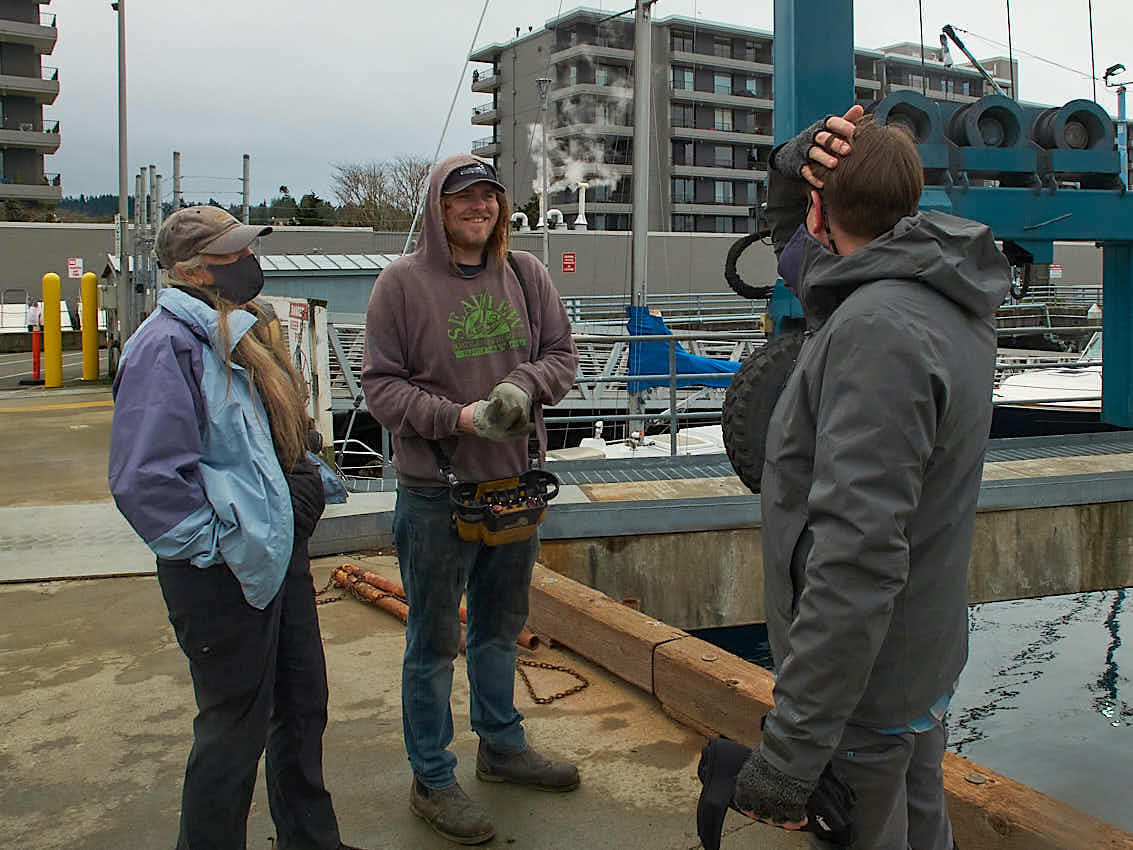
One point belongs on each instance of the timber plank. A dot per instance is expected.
(675, 488)
(596, 627)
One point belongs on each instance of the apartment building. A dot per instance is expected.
(712, 114)
(27, 34)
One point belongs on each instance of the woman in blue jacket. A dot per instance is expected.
(209, 464)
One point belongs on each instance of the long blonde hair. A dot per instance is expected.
(268, 363)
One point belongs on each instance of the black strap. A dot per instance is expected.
(533, 438)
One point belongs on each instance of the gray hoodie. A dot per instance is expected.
(874, 459)
(437, 340)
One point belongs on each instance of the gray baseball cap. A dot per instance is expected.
(464, 176)
(203, 230)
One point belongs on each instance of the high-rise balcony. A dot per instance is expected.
(485, 113)
(486, 147)
(41, 136)
(41, 36)
(44, 88)
(47, 188)
(485, 82)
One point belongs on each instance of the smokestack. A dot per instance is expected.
(580, 222)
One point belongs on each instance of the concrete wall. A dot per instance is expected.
(715, 578)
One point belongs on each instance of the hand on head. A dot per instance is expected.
(832, 143)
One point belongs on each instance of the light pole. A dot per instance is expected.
(125, 296)
(544, 85)
(1122, 127)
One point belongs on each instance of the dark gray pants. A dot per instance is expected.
(260, 681)
(899, 786)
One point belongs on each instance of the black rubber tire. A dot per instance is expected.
(744, 290)
(749, 402)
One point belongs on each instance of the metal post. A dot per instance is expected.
(1117, 331)
(177, 199)
(544, 85)
(158, 211)
(1122, 136)
(642, 69)
(247, 180)
(126, 323)
(814, 66)
(151, 184)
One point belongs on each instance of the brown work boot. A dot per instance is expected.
(451, 813)
(526, 767)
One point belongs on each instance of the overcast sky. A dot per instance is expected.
(301, 85)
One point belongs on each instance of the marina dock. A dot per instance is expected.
(97, 700)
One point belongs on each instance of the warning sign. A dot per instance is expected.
(1055, 271)
(74, 267)
(568, 262)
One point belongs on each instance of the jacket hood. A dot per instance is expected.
(202, 319)
(954, 256)
(433, 245)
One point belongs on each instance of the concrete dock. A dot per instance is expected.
(96, 703)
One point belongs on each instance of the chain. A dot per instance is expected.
(325, 590)
(520, 663)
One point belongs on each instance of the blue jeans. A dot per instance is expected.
(436, 568)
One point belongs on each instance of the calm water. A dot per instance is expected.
(1045, 697)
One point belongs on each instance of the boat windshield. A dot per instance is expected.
(1093, 350)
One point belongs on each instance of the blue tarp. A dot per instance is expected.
(652, 358)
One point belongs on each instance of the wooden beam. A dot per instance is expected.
(718, 693)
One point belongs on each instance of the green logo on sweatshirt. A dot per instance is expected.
(486, 326)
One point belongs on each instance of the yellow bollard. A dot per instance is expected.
(52, 332)
(89, 292)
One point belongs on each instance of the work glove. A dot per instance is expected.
(790, 157)
(504, 414)
(829, 810)
(308, 499)
(769, 794)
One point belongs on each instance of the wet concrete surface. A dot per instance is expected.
(96, 707)
(18, 366)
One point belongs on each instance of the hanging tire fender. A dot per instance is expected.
(750, 401)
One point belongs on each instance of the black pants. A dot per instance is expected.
(260, 680)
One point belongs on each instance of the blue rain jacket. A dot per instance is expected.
(192, 464)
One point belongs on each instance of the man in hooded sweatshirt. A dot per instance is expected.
(461, 356)
(873, 465)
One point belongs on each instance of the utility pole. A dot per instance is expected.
(177, 199)
(642, 68)
(126, 323)
(1122, 126)
(247, 181)
(544, 85)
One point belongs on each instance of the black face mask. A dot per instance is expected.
(238, 282)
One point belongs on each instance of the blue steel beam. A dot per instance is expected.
(814, 62)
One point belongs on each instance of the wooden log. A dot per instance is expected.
(718, 693)
(527, 638)
(596, 627)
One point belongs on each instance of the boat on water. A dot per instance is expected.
(1061, 400)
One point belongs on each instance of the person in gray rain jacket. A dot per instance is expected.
(873, 465)
(461, 356)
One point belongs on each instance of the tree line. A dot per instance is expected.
(380, 194)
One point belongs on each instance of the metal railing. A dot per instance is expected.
(45, 180)
(47, 19)
(48, 72)
(34, 126)
(483, 143)
(482, 108)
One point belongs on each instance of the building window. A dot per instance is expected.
(683, 223)
(682, 78)
(572, 75)
(723, 194)
(680, 41)
(683, 115)
(757, 87)
(723, 224)
(722, 47)
(723, 156)
(682, 153)
(602, 75)
(608, 112)
(749, 51)
(683, 192)
(722, 83)
(573, 37)
(721, 119)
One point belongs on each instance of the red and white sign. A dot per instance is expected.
(1055, 271)
(568, 262)
(74, 267)
(299, 310)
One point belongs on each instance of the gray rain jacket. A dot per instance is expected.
(873, 466)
